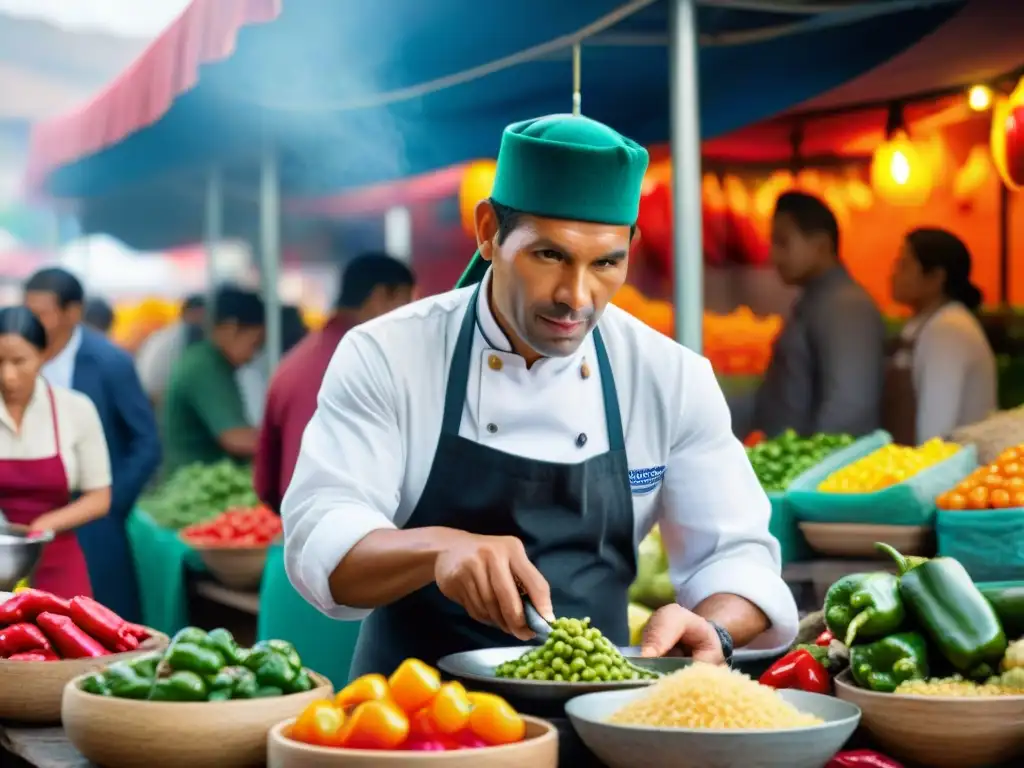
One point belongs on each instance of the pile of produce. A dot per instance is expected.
(39, 626)
(574, 653)
(999, 485)
(927, 631)
(740, 343)
(200, 492)
(252, 527)
(652, 587)
(205, 666)
(779, 461)
(889, 465)
(412, 710)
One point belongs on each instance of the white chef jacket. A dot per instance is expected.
(367, 452)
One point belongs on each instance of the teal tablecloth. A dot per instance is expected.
(785, 527)
(325, 645)
(160, 562)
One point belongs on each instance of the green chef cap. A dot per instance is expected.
(566, 167)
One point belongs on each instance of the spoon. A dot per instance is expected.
(537, 623)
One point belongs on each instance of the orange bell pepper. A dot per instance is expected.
(450, 708)
(320, 723)
(375, 725)
(494, 721)
(413, 685)
(365, 688)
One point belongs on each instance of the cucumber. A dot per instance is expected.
(1007, 599)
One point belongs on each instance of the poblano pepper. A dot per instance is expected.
(193, 635)
(188, 657)
(282, 647)
(124, 682)
(232, 683)
(223, 642)
(953, 613)
(884, 664)
(865, 606)
(269, 692)
(179, 686)
(146, 665)
(301, 683)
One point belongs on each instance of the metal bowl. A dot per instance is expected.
(19, 554)
(476, 669)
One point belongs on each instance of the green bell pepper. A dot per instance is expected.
(188, 657)
(282, 647)
(125, 682)
(96, 684)
(1008, 602)
(884, 664)
(146, 665)
(864, 605)
(301, 683)
(223, 642)
(953, 613)
(193, 635)
(268, 692)
(232, 683)
(179, 686)
(275, 671)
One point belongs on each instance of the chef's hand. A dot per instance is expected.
(41, 524)
(480, 574)
(673, 630)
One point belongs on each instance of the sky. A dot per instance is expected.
(130, 18)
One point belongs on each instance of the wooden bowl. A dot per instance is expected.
(122, 733)
(235, 567)
(538, 750)
(855, 540)
(31, 691)
(941, 732)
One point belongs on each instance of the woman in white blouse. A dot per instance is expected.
(943, 373)
(54, 465)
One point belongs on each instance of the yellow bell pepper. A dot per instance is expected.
(889, 465)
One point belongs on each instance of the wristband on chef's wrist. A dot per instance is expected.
(725, 639)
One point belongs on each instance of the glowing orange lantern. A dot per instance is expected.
(476, 185)
(654, 221)
(1007, 139)
(768, 194)
(899, 174)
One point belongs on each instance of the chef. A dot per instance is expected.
(522, 435)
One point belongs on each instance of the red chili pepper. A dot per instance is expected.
(68, 638)
(862, 758)
(811, 675)
(137, 631)
(102, 624)
(34, 656)
(28, 604)
(824, 639)
(782, 674)
(21, 638)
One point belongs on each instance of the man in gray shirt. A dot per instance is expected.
(828, 363)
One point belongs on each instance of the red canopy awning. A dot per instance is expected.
(205, 32)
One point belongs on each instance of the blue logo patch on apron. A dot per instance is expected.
(645, 481)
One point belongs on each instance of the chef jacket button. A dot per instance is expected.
(581, 439)
(494, 363)
(492, 427)
(584, 371)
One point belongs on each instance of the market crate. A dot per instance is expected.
(910, 503)
(988, 542)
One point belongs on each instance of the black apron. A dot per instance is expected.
(575, 520)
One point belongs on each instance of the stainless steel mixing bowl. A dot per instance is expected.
(19, 554)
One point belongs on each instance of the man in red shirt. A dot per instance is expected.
(371, 285)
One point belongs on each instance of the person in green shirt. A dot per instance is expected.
(204, 417)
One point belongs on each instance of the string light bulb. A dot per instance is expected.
(979, 98)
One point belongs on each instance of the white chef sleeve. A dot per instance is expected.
(348, 474)
(714, 516)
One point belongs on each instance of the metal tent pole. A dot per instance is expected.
(687, 239)
(270, 250)
(213, 231)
